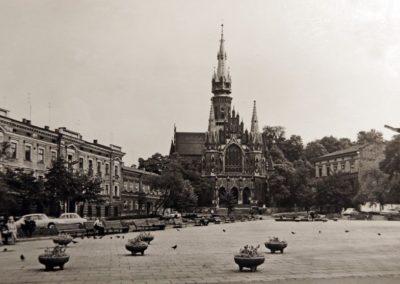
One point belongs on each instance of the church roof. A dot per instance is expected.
(189, 143)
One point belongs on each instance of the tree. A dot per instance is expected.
(7, 199)
(170, 182)
(155, 164)
(229, 200)
(292, 148)
(273, 135)
(374, 185)
(333, 144)
(372, 136)
(314, 150)
(391, 163)
(335, 193)
(186, 199)
(68, 187)
(26, 188)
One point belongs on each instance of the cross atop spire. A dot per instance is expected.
(221, 78)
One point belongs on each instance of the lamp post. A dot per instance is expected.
(392, 128)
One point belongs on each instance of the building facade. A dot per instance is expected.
(352, 163)
(138, 196)
(33, 149)
(232, 156)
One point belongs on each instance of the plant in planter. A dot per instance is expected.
(53, 257)
(136, 245)
(274, 244)
(249, 257)
(62, 239)
(146, 237)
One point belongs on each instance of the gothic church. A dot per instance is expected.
(233, 157)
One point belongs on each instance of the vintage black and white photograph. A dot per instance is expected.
(200, 141)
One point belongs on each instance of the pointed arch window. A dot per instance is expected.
(233, 159)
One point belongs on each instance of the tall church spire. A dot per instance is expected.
(254, 120)
(221, 71)
(221, 82)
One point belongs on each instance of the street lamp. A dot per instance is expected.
(392, 128)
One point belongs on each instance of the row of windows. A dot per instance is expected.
(335, 168)
(91, 166)
(28, 152)
(114, 193)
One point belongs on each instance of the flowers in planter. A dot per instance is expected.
(54, 257)
(57, 251)
(249, 251)
(62, 239)
(146, 237)
(136, 240)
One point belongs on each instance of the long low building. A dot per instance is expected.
(137, 194)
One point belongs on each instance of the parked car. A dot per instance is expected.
(390, 211)
(41, 220)
(71, 218)
(175, 215)
(350, 211)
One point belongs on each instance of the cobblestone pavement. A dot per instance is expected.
(205, 255)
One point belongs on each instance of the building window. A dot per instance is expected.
(69, 158)
(90, 171)
(107, 169)
(28, 152)
(116, 170)
(40, 155)
(107, 192)
(81, 163)
(53, 156)
(116, 192)
(99, 167)
(233, 160)
(328, 170)
(320, 171)
(13, 148)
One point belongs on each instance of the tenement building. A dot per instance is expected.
(139, 198)
(230, 155)
(33, 149)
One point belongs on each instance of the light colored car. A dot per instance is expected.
(41, 220)
(71, 218)
(350, 211)
(389, 211)
(175, 215)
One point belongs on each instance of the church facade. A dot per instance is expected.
(230, 155)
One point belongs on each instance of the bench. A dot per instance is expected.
(115, 226)
(177, 223)
(89, 227)
(73, 229)
(155, 225)
(141, 225)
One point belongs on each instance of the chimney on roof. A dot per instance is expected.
(133, 166)
(28, 122)
(46, 127)
(95, 141)
(23, 120)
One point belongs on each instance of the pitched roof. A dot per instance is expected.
(350, 150)
(190, 143)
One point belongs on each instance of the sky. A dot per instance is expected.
(124, 72)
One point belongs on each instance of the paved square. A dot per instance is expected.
(205, 255)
